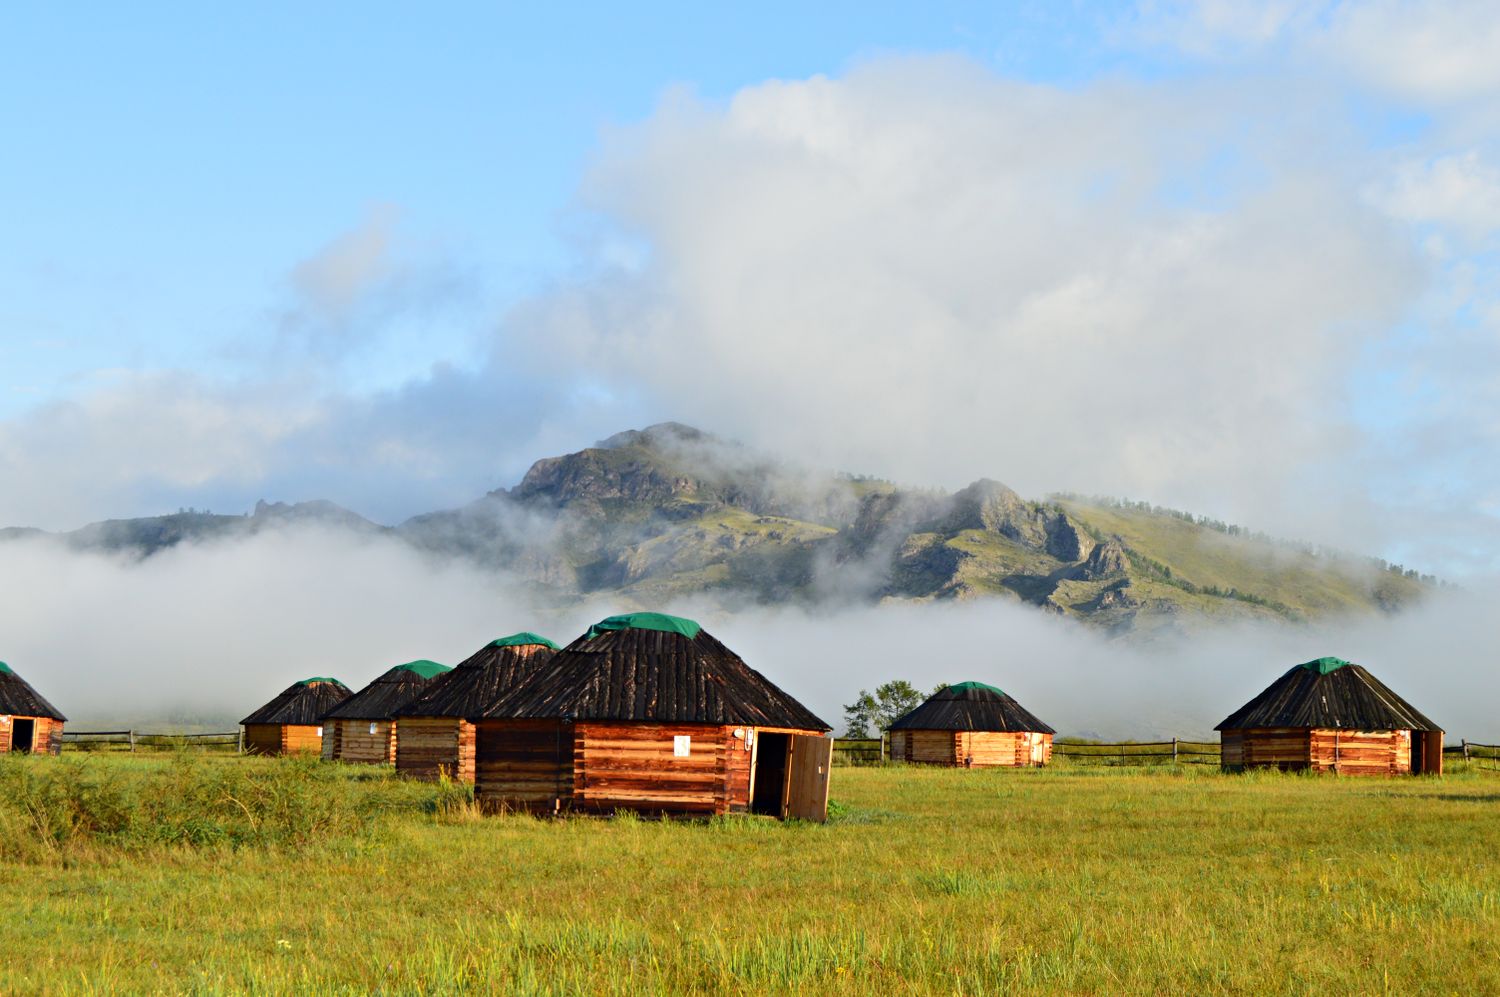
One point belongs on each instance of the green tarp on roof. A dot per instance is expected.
(646, 621)
(1324, 665)
(426, 669)
(962, 686)
(316, 679)
(5, 668)
(522, 639)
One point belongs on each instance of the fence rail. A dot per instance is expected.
(859, 750)
(131, 740)
(1177, 750)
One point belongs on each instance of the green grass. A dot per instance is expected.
(1297, 581)
(1074, 879)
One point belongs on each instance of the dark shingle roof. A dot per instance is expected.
(481, 679)
(971, 706)
(19, 699)
(1328, 693)
(383, 697)
(302, 702)
(653, 675)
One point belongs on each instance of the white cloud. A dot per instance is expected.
(927, 271)
(1434, 51)
(1460, 191)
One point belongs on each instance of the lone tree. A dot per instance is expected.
(889, 702)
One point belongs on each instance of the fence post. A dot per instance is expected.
(132, 740)
(1174, 751)
(1465, 743)
(884, 747)
(240, 742)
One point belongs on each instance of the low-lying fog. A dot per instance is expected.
(207, 633)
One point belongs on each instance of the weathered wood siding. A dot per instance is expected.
(635, 766)
(351, 741)
(46, 735)
(1361, 752)
(933, 747)
(900, 746)
(432, 745)
(282, 739)
(523, 764)
(989, 749)
(1347, 752)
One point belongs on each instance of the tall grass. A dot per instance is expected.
(53, 808)
(1087, 879)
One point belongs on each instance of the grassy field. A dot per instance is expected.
(181, 875)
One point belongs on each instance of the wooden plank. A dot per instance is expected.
(809, 769)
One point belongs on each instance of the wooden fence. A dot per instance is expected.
(1485, 756)
(859, 750)
(1177, 751)
(131, 740)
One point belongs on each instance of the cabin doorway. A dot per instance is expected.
(771, 752)
(1426, 752)
(22, 734)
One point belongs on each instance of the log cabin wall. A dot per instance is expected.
(49, 736)
(1348, 752)
(1273, 747)
(990, 748)
(264, 739)
(351, 741)
(299, 739)
(1232, 750)
(933, 747)
(639, 766)
(46, 735)
(900, 746)
(1361, 752)
(429, 746)
(523, 764)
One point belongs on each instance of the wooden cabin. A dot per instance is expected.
(650, 713)
(363, 727)
(28, 723)
(292, 723)
(1330, 715)
(437, 728)
(972, 725)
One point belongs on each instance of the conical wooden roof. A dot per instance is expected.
(392, 690)
(302, 703)
(1328, 693)
(19, 699)
(971, 706)
(642, 669)
(482, 679)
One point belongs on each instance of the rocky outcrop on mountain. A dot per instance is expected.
(1107, 560)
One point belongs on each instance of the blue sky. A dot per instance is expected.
(170, 161)
(1234, 257)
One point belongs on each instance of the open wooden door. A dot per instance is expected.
(807, 773)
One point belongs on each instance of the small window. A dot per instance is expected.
(373, 725)
(682, 745)
(320, 731)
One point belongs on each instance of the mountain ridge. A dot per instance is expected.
(654, 515)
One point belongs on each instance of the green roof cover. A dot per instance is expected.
(522, 639)
(316, 679)
(426, 669)
(1324, 665)
(5, 668)
(646, 621)
(964, 686)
